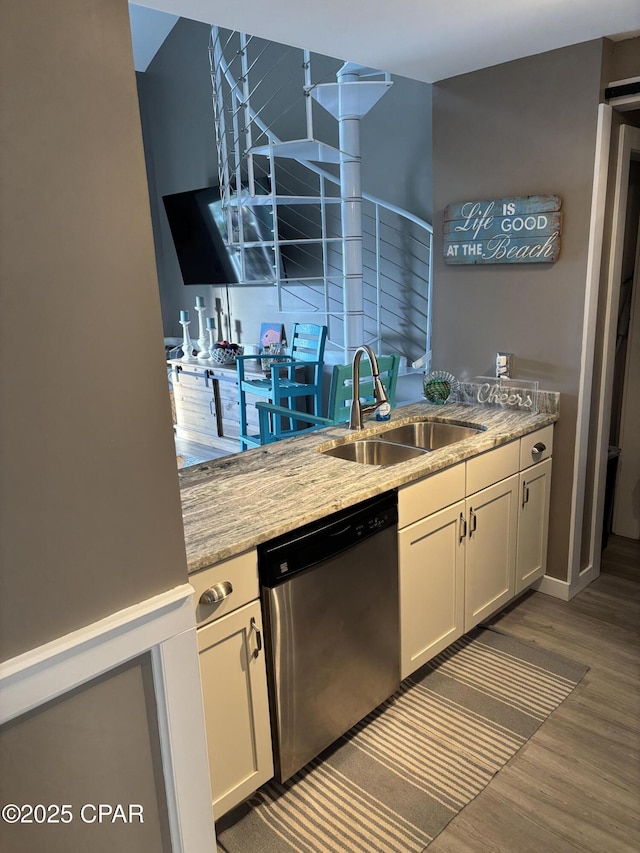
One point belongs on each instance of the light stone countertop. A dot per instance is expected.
(232, 504)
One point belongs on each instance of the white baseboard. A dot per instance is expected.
(554, 587)
(585, 577)
(563, 589)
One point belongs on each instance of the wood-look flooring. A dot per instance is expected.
(200, 452)
(575, 785)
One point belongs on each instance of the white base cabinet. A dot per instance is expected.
(234, 682)
(236, 706)
(431, 561)
(533, 524)
(490, 546)
(470, 539)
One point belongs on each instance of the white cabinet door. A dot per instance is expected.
(431, 565)
(492, 517)
(236, 708)
(533, 524)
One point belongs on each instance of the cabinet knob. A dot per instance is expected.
(538, 449)
(217, 592)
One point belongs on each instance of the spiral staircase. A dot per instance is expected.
(295, 208)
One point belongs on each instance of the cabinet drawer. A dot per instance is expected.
(490, 467)
(536, 447)
(241, 572)
(430, 495)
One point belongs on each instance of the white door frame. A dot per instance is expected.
(577, 579)
(628, 142)
(624, 500)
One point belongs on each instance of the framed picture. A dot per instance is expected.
(271, 333)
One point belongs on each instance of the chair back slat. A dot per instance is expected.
(308, 342)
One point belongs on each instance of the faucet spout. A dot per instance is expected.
(358, 410)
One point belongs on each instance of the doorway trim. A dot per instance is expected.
(628, 144)
(627, 141)
(578, 579)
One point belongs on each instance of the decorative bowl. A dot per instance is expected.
(226, 355)
(438, 386)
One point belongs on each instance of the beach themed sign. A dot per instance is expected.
(521, 230)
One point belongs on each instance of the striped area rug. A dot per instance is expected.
(395, 780)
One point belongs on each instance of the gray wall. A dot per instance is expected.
(175, 103)
(625, 58)
(179, 144)
(90, 516)
(516, 129)
(72, 752)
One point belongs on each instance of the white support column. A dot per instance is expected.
(351, 192)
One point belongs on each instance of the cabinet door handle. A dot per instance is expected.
(525, 492)
(254, 627)
(538, 449)
(216, 593)
(473, 522)
(463, 528)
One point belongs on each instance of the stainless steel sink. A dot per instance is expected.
(372, 452)
(429, 435)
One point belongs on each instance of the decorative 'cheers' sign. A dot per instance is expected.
(509, 399)
(503, 231)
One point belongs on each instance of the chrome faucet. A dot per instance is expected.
(379, 394)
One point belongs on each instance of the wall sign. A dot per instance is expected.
(503, 231)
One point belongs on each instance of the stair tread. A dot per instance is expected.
(352, 98)
(301, 149)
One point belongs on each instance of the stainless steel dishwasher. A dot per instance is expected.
(330, 600)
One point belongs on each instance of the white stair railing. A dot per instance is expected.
(257, 169)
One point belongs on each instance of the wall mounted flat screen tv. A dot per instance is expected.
(199, 227)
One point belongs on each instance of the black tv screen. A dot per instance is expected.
(199, 227)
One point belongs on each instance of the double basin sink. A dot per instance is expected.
(401, 443)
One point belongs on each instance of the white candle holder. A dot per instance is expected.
(201, 344)
(187, 346)
(212, 342)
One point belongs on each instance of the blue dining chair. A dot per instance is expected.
(306, 350)
(340, 397)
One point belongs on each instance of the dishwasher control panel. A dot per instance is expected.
(310, 545)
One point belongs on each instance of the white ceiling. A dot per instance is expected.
(428, 40)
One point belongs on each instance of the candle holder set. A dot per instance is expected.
(200, 351)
